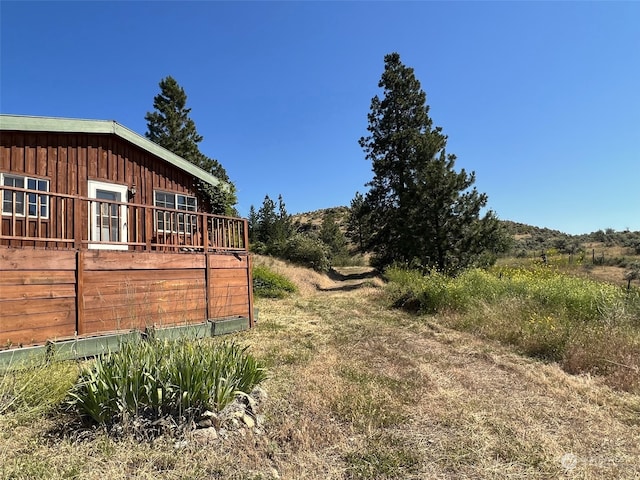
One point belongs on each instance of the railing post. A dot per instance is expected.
(77, 222)
(252, 320)
(245, 236)
(207, 286)
(148, 227)
(205, 232)
(80, 293)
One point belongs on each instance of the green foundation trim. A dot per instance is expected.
(84, 347)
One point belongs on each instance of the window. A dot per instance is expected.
(36, 204)
(173, 221)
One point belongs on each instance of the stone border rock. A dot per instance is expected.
(241, 416)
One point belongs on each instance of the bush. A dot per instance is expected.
(268, 284)
(349, 260)
(308, 251)
(153, 379)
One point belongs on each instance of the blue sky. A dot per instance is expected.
(540, 99)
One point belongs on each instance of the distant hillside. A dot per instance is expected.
(528, 239)
(311, 221)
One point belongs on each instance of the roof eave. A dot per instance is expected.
(71, 125)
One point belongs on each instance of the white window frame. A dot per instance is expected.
(44, 202)
(176, 206)
(121, 244)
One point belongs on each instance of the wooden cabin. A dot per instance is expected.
(102, 232)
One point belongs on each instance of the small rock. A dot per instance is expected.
(180, 444)
(206, 423)
(249, 401)
(205, 436)
(209, 414)
(259, 419)
(248, 421)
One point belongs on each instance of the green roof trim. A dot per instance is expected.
(73, 125)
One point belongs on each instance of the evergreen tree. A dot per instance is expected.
(421, 210)
(253, 224)
(272, 228)
(266, 221)
(332, 236)
(358, 222)
(171, 127)
(283, 228)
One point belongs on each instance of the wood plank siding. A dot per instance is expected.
(69, 160)
(59, 278)
(58, 294)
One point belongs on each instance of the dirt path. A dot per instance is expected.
(399, 396)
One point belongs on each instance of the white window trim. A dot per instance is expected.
(175, 202)
(26, 179)
(93, 186)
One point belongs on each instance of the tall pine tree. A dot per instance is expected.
(421, 211)
(359, 222)
(171, 127)
(331, 235)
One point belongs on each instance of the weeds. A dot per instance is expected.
(383, 457)
(544, 313)
(37, 387)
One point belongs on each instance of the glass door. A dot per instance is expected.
(108, 216)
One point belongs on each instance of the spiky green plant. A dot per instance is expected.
(159, 378)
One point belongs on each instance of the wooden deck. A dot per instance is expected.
(57, 282)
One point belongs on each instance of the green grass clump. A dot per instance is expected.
(585, 325)
(383, 457)
(154, 379)
(268, 284)
(577, 298)
(36, 387)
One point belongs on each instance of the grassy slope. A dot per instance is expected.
(361, 391)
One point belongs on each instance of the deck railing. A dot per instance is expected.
(32, 218)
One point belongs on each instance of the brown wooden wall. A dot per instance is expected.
(69, 161)
(52, 294)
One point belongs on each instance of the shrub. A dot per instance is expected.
(268, 284)
(153, 379)
(349, 260)
(308, 251)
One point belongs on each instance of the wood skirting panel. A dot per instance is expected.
(118, 291)
(37, 295)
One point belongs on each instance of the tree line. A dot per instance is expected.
(273, 232)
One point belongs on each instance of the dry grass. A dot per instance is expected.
(607, 273)
(360, 391)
